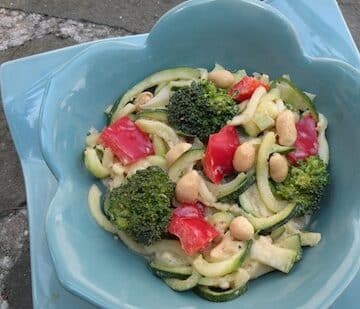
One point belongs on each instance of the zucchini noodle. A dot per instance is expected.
(160, 129)
(323, 144)
(247, 114)
(126, 110)
(159, 101)
(96, 211)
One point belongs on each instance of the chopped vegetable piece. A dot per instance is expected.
(224, 267)
(184, 162)
(244, 89)
(309, 238)
(265, 225)
(153, 114)
(190, 210)
(271, 255)
(160, 129)
(126, 141)
(141, 206)
(93, 163)
(248, 113)
(217, 295)
(262, 174)
(294, 98)
(304, 185)
(165, 271)
(185, 284)
(306, 143)
(219, 153)
(200, 109)
(194, 233)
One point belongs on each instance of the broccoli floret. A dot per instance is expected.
(304, 185)
(141, 206)
(200, 109)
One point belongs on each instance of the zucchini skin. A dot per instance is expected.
(280, 223)
(262, 173)
(292, 242)
(93, 164)
(295, 94)
(266, 225)
(215, 296)
(277, 257)
(151, 81)
(184, 161)
(218, 269)
(233, 197)
(183, 285)
(165, 272)
(153, 114)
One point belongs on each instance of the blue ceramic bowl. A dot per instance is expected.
(237, 34)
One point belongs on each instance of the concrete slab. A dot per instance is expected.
(18, 27)
(12, 189)
(13, 236)
(15, 279)
(351, 12)
(135, 16)
(18, 283)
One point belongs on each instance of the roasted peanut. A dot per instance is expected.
(244, 157)
(279, 168)
(143, 98)
(221, 78)
(187, 188)
(175, 152)
(286, 129)
(241, 228)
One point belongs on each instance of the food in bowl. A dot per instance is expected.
(211, 176)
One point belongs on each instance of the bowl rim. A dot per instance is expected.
(65, 277)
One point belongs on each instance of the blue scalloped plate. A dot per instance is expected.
(22, 104)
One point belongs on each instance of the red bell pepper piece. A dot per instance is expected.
(189, 225)
(126, 141)
(194, 233)
(306, 143)
(244, 89)
(219, 153)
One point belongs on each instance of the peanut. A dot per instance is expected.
(143, 98)
(241, 228)
(279, 168)
(221, 78)
(187, 188)
(286, 129)
(244, 157)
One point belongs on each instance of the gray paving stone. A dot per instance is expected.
(18, 283)
(12, 190)
(18, 27)
(13, 236)
(135, 16)
(351, 12)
